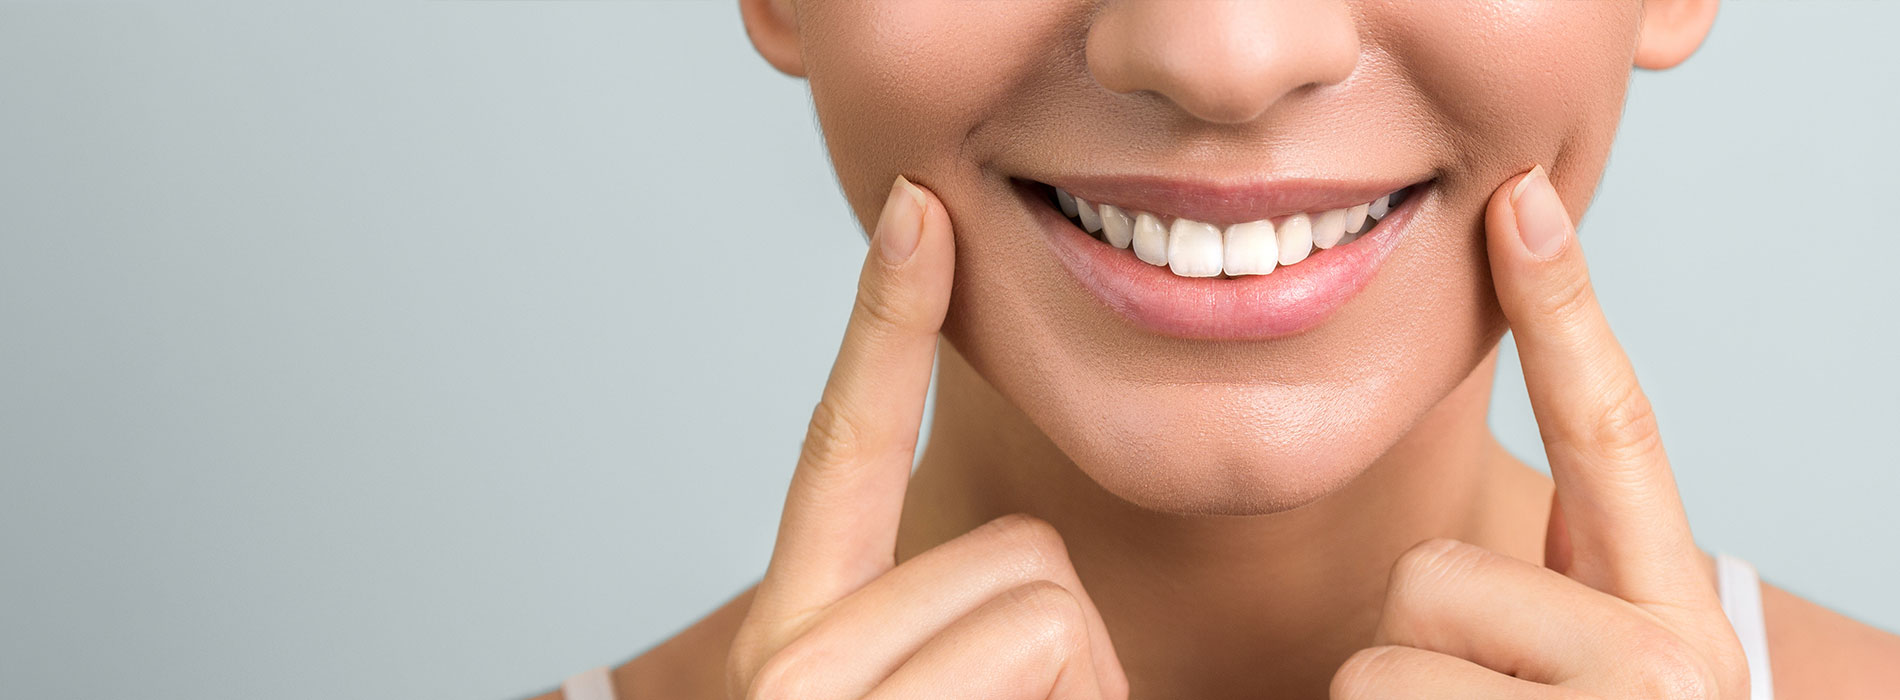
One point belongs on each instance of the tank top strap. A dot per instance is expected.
(1740, 588)
(591, 684)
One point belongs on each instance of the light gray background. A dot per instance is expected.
(442, 349)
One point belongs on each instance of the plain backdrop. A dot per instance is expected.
(443, 349)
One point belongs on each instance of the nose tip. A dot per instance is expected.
(1222, 61)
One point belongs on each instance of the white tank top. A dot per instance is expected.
(1735, 581)
(1740, 589)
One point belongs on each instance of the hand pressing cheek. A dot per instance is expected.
(997, 613)
(1623, 608)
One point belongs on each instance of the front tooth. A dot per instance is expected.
(1379, 207)
(1250, 249)
(1329, 227)
(1296, 238)
(1067, 202)
(1356, 219)
(1151, 240)
(1194, 249)
(1091, 221)
(1117, 226)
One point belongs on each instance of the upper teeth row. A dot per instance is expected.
(1193, 249)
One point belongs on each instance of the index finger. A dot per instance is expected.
(839, 527)
(1628, 533)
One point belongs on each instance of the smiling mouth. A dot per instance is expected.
(1190, 248)
(1222, 260)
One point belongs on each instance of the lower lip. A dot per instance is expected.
(1290, 300)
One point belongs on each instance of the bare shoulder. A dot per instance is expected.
(689, 666)
(1815, 652)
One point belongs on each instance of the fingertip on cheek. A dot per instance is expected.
(902, 223)
(936, 235)
(1543, 225)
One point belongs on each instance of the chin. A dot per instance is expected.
(1235, 449)
(1177, 412)
(1228, 462)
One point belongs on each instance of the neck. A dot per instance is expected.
(1228, 606)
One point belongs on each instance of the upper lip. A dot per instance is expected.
(1224, 201)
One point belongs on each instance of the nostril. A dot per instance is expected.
(1222, 62)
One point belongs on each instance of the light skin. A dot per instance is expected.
(1104, 512)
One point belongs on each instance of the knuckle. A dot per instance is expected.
(1364, 674)
(880, 309)
(1625, 428)
(1672, 670)
(832, 437)
(1420, 577)
(1429, 564)
(1036, 539)
(1570, 302)
(1053, 616)
(784, 676)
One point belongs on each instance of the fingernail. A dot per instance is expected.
(1542, 222)
(902, 222)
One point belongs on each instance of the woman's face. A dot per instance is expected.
(1197, 394)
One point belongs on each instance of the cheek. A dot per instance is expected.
(1522, 83)
(899, 87)
(1507, 85)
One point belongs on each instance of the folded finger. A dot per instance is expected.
(1028, 643)
(1407, 673)
(890, 619)
(1508, 615)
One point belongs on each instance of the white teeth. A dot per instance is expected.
(1296, 238)
(1151, 240)
(1328, 228)
(1250, 249)
(1191, 248)
(1356, 218)
(1117, 226)
(1194, 249)
(1091, 220)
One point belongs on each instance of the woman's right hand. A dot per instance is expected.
(996, 613)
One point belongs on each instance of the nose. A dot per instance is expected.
(1223, 61)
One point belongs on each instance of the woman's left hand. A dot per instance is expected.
(1623, 607)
